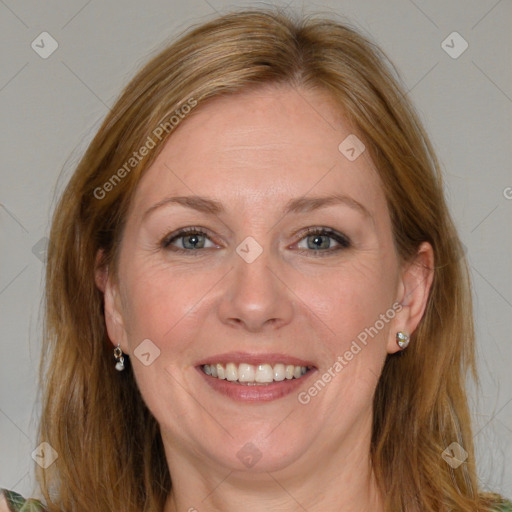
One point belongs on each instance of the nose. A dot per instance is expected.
(255, 297)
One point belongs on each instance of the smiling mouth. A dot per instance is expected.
(255, 375)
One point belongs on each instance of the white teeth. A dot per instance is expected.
(279, 372)
(252, 375)
(221, 374)
(264, 373)
(231, 372)
(246, 373)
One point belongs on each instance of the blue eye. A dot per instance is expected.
(191, 239)
(319, 240)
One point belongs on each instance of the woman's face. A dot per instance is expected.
(249, 289)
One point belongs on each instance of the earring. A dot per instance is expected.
(402, 339)
(118, 354)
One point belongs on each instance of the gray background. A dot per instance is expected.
(50, 109)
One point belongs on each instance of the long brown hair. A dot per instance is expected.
(110, 450)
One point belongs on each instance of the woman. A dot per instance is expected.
(257, 241)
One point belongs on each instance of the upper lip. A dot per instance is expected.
(254, 359)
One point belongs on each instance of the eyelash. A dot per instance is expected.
(343, 241)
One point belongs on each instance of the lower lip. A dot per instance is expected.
(256, 393)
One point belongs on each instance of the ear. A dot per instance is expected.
(100, 271)
(415, 283)
(112, 304)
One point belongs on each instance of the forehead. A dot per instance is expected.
(265, 145)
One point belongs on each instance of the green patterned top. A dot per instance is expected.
(17, 503)
(506, 506)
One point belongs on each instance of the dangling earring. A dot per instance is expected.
(402, 339)
(118, 354)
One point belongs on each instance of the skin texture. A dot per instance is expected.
(3, 504)
(253, 152)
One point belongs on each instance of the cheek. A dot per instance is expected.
(177, 309)
(350, 302)
(169, 304)
(159, 299)
(351, 298)
(161, 306)
(358, 311)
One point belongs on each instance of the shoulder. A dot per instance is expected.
(13, 502)
(3, 503)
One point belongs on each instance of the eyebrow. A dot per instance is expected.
(299, 205)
